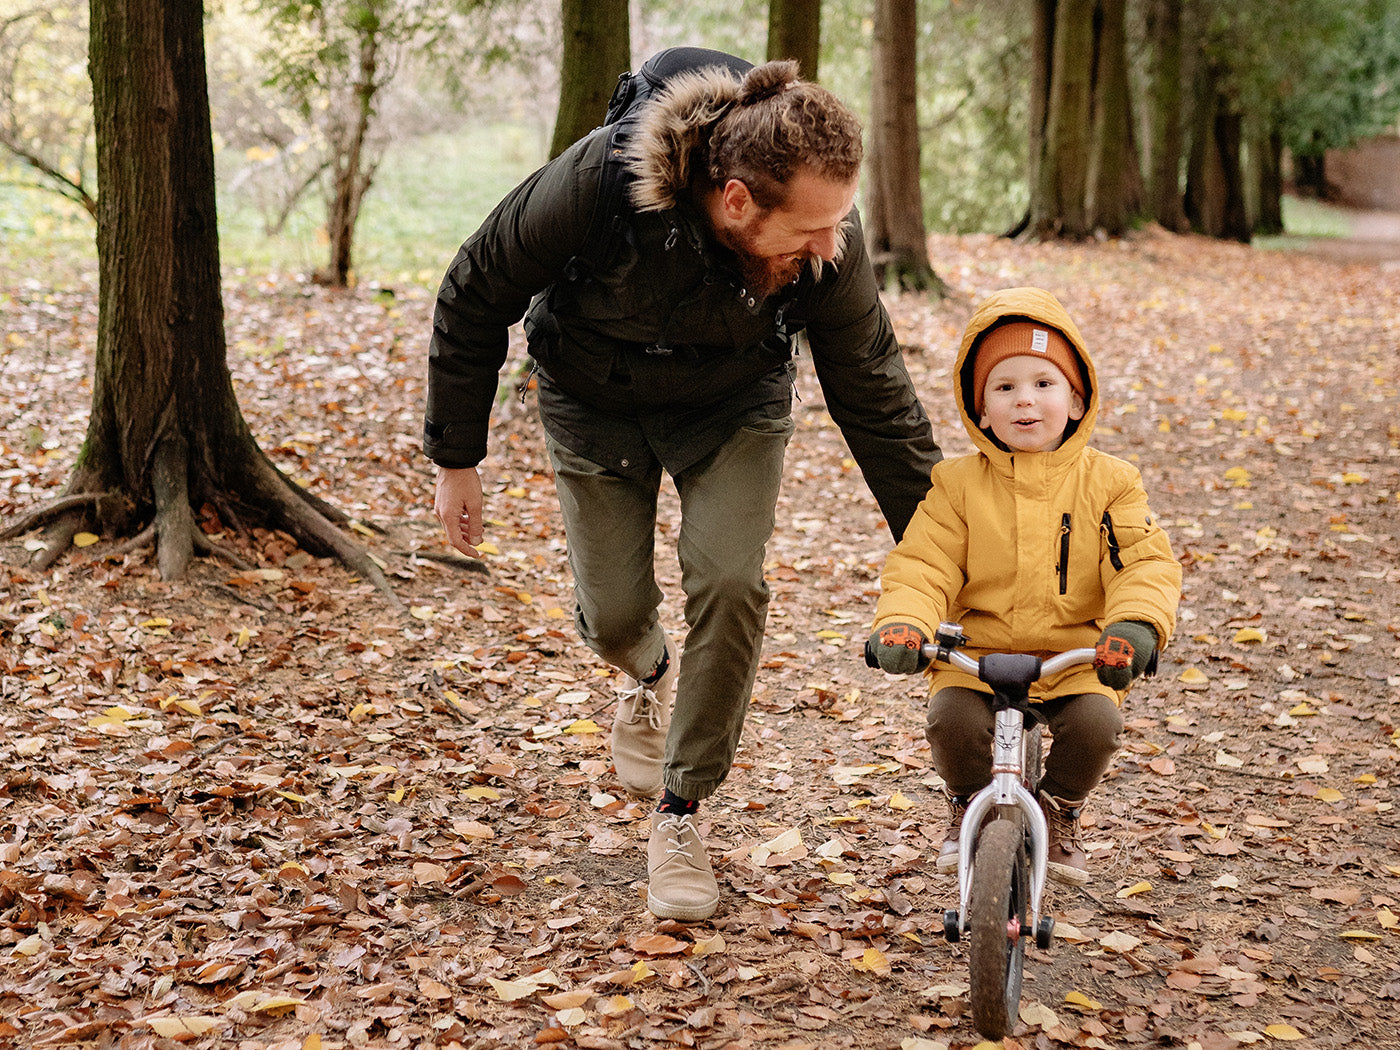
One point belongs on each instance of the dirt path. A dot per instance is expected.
(254, 804)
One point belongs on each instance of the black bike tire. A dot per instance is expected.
(1000, 893)
(1033, 759)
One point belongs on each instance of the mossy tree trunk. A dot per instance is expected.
(894, 215)
(795, 31)
(597, 50)
(165, 434)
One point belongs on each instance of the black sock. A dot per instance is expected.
(673, 803)
(659, 670)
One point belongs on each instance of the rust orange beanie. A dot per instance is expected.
(1017, 339)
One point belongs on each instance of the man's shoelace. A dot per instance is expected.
(644, 698)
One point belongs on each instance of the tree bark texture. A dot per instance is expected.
(1058, 194)
(1114, 183)
(1215, 203)
(597, 50)
(894, 214)
(795, 31)
(165, 434)
(1164, 203)
(352, 167)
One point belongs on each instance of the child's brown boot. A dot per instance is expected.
(1068, 862)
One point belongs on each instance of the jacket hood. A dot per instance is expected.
(671, 139)
(671, 135)
(1031, 304)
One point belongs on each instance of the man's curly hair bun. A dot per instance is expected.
(765, 81)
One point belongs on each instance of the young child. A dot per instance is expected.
(1036, 543)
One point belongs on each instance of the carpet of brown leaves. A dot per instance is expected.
(254, 809)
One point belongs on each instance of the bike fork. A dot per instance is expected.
(1005, 790)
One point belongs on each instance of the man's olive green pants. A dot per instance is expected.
(727, 502)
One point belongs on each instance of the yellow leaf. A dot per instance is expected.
(84, 539)
(615, 1006)
(292, 865)
(1388, 919)
(1238, 476)
(481, 794)
(830, 634)
(359, 711)
(361, 528)
(1082, 1001)
(156, 621)
(421, 612)
(1193, 675)
(583, 725)
(292, 796)
(1250, 634)
(1283, 1031)
(487, 548)
(1359, 935)
(872, 961)
(1234, 415)
(174, 1027)
(277, 1003)
(710, 945)
(1134, 890)
(842, 878)
(1329, 795)
(312, 1042)
(1352, 478)
(899, 801)
(555, 613)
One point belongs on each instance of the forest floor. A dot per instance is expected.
(255, 808)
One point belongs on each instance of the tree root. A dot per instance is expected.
(455, 561)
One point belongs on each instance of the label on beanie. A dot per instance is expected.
(1040, 341)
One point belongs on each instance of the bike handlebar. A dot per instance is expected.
(1048, 666)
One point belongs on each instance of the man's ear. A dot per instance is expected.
(736, 200)
(1076, 406)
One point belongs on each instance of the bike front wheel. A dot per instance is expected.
(997, 913)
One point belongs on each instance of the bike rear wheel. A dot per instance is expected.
(997, 913)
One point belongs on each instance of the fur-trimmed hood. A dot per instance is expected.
(671, 134)
(671, 141)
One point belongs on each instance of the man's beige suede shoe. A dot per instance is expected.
(639, 730)
(681, 884)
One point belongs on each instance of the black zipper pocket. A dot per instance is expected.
(1064, 551)
(1115, 555)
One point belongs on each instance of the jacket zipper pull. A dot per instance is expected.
(1064, 551)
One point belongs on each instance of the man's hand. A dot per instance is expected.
(457, 502)
(1123, 652)
(896, 648)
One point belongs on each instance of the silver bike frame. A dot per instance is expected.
(1006, 789)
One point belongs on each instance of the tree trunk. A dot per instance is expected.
(1042, 47)
(795, 31)
(1310, 176)
(597, 50)
(1113, 170)
(1057, 197)
(351, 170)
(1266, 153)
(165, 434)
(1164, 101)
(1215, 203)
(894, 231)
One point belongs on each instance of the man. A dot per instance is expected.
(676, 355)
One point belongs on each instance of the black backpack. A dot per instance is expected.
(609, 219)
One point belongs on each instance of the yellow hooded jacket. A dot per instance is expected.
(1031, 552)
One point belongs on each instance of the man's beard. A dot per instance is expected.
(766, 275)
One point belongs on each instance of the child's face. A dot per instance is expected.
(1027, 403)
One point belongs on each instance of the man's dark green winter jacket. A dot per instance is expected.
(662, 354)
